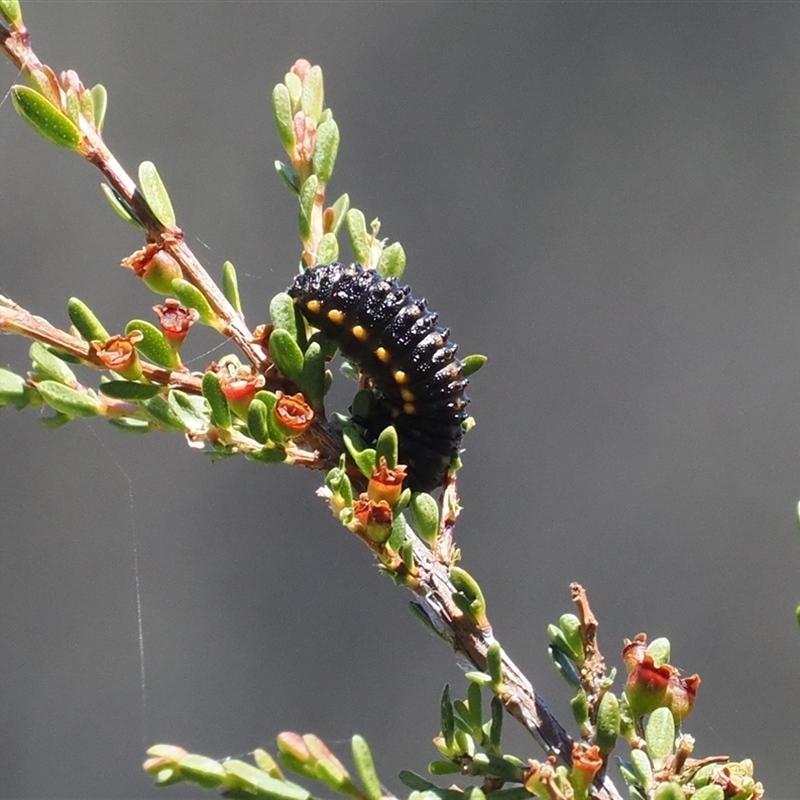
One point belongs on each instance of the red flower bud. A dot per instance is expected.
(175, 320)
(239, 387)
(650, 687)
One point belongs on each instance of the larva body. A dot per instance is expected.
(395, 341)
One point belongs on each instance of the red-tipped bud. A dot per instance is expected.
(175, 321)
(155, 267)
(633, 651)
(239, 387)
(386, 484)
(119, 354)
(375, 518)
(650, 687)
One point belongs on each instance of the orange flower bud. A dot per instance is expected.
(119, 354)
(293, 413)
(386, 484)
(586, 763)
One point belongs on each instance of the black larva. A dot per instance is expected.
(395, 341)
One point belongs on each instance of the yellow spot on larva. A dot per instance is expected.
(336, 316)
(400, 376)
(407, 395)
(382, 354)
(408, 408)
(313, 306)
(360, 332)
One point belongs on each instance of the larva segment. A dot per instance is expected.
(396, 342)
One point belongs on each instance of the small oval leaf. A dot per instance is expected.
(156, 194)
(68, 401)
(47, 120)
(129, 390)
(153, 345)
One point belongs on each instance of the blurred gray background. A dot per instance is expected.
(603, 198)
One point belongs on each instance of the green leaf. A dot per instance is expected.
(571, 628)
(494, 664)
(220, 411)
(340, 209)
(565, 666)
(130, 390)
(130, 424)
(386, 447)
(425, 516)
(392, 261)
(608, 723)
(282, 113)
(99, 97)
(440, 767)
(364, 457)
(498, 766)
(643, 768)
(230, 286)
(192, 411)
(308, 194)
(481, 678)
(10, 11)
(254, 780)
(257, 421)
(496, 730)
(154, 345)
(286, 354)
(398, 535)
(295, 87)
(192, 297)
(672, 791)
(85, 321)
(202, 770)
(47, 120)
(471, 364)
(121, 206)
(67, 400)
(475, 706)
(48, 366)
(313, 93)
(709, 793)
(467, 587)
(659, 649)
(359, 238)
(365, 766)
(55, 422)
(161, 412)
(328, 249)
(289, 175)
(156, 195)
(312, 381)
(660, 734)
(282, 313)
(269, 455)
(448, 718)
(13, 389)
(325, 149)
